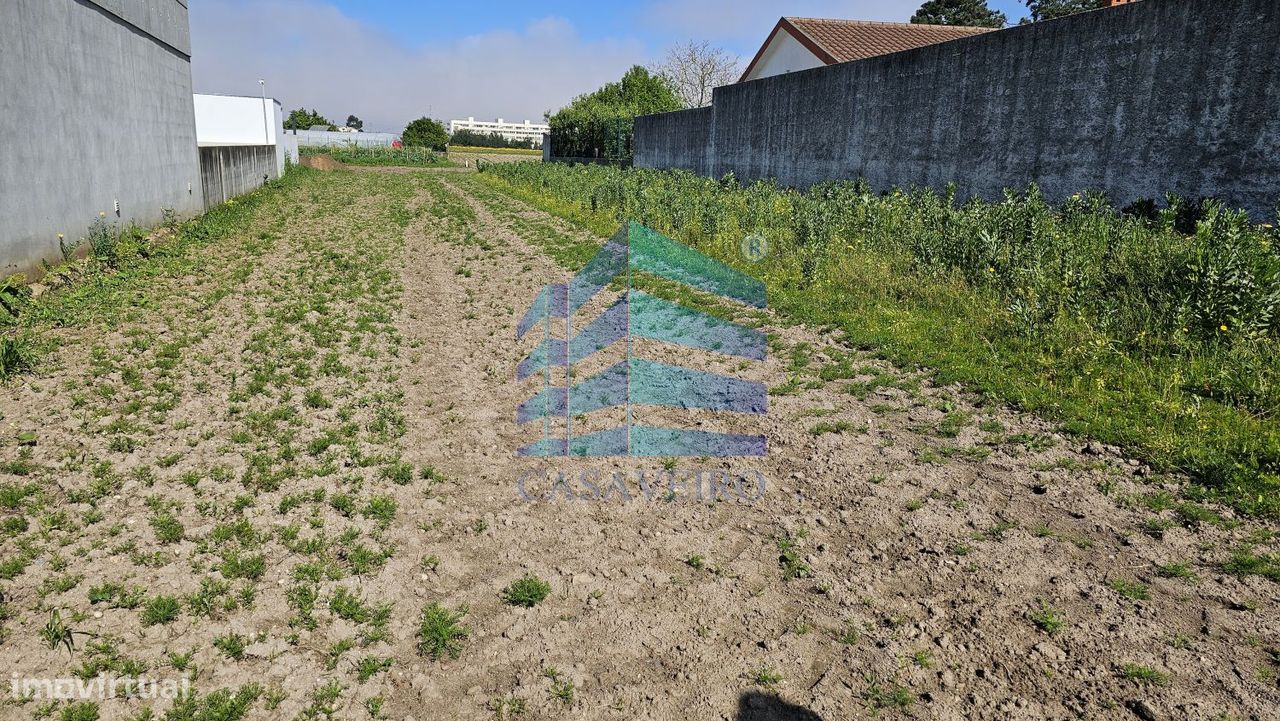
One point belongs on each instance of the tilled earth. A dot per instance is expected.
(258, 474)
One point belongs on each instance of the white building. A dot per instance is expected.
(526, 131)
(231, 120)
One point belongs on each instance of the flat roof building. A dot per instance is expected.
(526, 131)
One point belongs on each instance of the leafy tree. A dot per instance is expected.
(601, 124)
(972, 13)
(489, 140)
(1050, 9)
(301, 119)
(355, 123)
(425, 133)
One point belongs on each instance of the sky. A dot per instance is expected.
(390, 61)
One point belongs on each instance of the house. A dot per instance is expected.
(803, 43)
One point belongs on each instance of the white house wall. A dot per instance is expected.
(785, 54)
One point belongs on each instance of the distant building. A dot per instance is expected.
(804, 43)
(526, 131)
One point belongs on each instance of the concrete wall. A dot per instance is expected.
(240, 120)
(684, 139)
(100, 92)
(1154, 96)
(229, 170)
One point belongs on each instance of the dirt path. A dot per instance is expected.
(329, 417)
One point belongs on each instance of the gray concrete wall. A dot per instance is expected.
(1157, 96)
(229, 170)
(99, 91)
(684, 139)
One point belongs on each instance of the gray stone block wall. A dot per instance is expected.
(1152, 97)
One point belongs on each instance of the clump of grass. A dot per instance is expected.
(1176, 570)
(369, 666)
(1145, 675)
(880, 696)
(695, 561)
(1129, 589)
(231, 645)
(79, 711)
(57, 633)
(528, 591)
(561, 688)
(18, 354)
(996, 532)
(1049, 619)
(849, 635)
(1244, 562)
(440, 632)
(167, 527)
(825, 427)
(161, 610)
(399, 473)
(789, 557)
(766, 675)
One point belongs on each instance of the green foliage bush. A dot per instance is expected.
(1157, 329)
(425, 133)
(600, 124)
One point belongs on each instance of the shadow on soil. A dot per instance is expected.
(755, 706)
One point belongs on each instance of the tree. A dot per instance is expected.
(1050, 9)
(302, 119)
(471, 138)
(425, 133)
(972, 13)
(355, 123)
(600, 124)
(694, 69)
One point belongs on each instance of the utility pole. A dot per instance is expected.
(266, 133)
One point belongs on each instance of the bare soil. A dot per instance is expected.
(916, 552)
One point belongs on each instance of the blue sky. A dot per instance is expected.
(389, 61)
(421, 23)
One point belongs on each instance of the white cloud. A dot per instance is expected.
(313, 55)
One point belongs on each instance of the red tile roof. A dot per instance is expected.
(840, 41)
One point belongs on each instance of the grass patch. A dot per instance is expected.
(1144, 675)
(1129, 589)
(1244, 562)
(1119, 326)
(528, 592)
(440, 632)
(1049, 619)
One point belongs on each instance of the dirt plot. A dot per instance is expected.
(291, 478)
